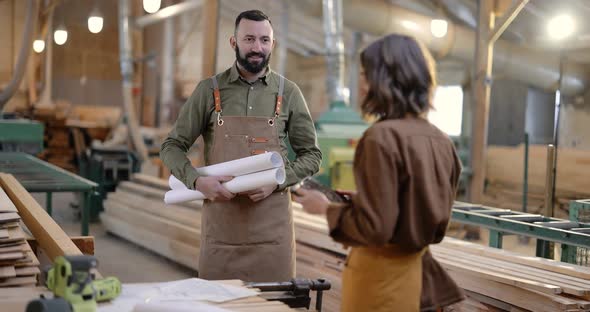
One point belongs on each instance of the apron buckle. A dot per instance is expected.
(219, 120)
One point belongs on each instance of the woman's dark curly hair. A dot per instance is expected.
(401, 77)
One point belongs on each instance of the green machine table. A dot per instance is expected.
(38, 176)
(500, 222)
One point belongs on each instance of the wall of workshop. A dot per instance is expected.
(540, 111)
(574, 123)
(508, 101)
(12, 19)
(86, 68)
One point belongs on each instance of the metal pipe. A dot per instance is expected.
(528, 65)
(167, 12)
(525, 180)
(126, 59)
(167, 81)
(23, 55)
(332, 17)
(354, 69)
(283, 38)
(45, 97)
(549, 180)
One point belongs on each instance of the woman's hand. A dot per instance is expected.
(313, 202)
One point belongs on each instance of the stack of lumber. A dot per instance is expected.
(505, 172)
(58, 149)
(492, 278)
(136, 212)
(19, 266)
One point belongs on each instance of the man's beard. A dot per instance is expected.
(253, 68)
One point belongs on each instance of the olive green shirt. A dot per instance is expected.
(240, 98)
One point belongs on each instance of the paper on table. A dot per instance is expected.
(176, 292)
(177, 307)
(234, 168)
(239, 184)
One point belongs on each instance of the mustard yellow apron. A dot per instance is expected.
(382, 279)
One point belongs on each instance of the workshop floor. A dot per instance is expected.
(116, 257)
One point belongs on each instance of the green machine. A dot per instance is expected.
(75, 289)
(20, 135)
(338, 131)
(579, 212)
(107, 166)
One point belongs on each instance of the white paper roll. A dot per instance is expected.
(239, 184)
(234, 168)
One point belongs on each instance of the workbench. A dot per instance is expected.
(38, 176)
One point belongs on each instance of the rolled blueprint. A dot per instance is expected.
(238, 184)
(234, 168)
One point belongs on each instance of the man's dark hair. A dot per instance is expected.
(253, 15)
(401, 76)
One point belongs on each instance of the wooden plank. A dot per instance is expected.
(172, 230)
(11, 256)
(514, 295)
(500, 277)
(54, 241)
(534, 273)
(4, 233)
(84, 243)
(9, 217)
(504, 268)
(27, 271)
(7, 272)
(160, 244)
(13, 248)
(6, 205)
(17, 281)
(15, 235)
(9, 225)
(541, 263)
(147, 180)
(183, 215)
(154, 193)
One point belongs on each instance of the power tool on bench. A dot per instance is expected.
(72, 282)
(294, 293)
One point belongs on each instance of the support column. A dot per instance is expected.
(210, 28)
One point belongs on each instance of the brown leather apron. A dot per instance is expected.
(242, 239)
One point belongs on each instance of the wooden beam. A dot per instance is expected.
(483, 71)
(84, 243)
(52, 239)
(509, 16)
(210, 30)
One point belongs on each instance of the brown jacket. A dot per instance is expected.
(406, 173)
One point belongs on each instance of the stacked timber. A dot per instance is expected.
(492, 278)
(58, 149)
(19, 266)
(136, 212)
(505, 175)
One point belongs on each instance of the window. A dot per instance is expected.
(447, 113)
